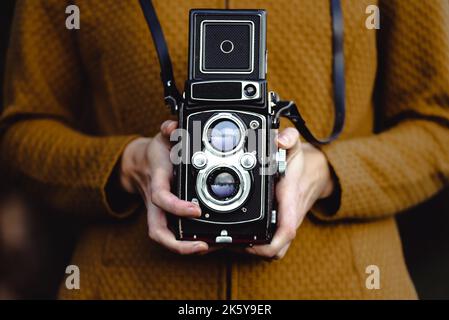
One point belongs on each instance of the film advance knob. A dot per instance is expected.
(281, 159)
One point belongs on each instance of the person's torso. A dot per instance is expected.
(325, 261)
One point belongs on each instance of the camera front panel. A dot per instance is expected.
(226, 174)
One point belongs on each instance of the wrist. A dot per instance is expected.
(329, 179)
(132, 159)
(328, 189)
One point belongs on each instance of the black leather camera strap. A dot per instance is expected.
(172, 96)
(287, 109)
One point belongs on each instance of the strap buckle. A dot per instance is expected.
(172, 98)
(171, 102)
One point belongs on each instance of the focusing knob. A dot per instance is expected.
(281, 159)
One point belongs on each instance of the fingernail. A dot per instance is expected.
(282, 139)
(195, 210)
(200, 246)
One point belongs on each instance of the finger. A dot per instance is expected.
(286, 231)
(165, 124)
(158, 231)
(166, 238)
(283, 251)
(211, 249)
(165, 141)
(240, 250)
(288, 138)
(170, 203)
(282, 238)
(167, 128)
(295, 163)
(166, 132)
(167, 201)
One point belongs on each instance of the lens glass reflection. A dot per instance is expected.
(224, 135)
(223, 184)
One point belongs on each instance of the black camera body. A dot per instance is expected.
(230, 160)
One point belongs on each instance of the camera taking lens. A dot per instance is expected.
(223, 184)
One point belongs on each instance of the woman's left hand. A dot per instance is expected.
(307, 179)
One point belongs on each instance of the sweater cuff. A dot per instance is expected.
(326, 208)
(338, 204)
(117, 202)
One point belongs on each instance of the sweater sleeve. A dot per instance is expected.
(408, 161)
(42, 142)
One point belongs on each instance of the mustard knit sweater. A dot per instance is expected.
(75, 98)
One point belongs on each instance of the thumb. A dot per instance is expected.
(288, 138)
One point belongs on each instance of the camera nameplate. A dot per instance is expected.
(243, 96)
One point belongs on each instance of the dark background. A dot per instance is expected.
(35, 270)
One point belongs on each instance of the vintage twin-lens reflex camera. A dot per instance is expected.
(231, 162)
(229, 159)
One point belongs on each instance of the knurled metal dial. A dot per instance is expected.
(281, 159)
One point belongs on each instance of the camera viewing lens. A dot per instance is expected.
(224, 135)
(223, 184)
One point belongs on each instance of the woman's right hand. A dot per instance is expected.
(146, 169)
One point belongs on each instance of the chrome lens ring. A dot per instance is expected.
(212, 202)
(216, 119)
